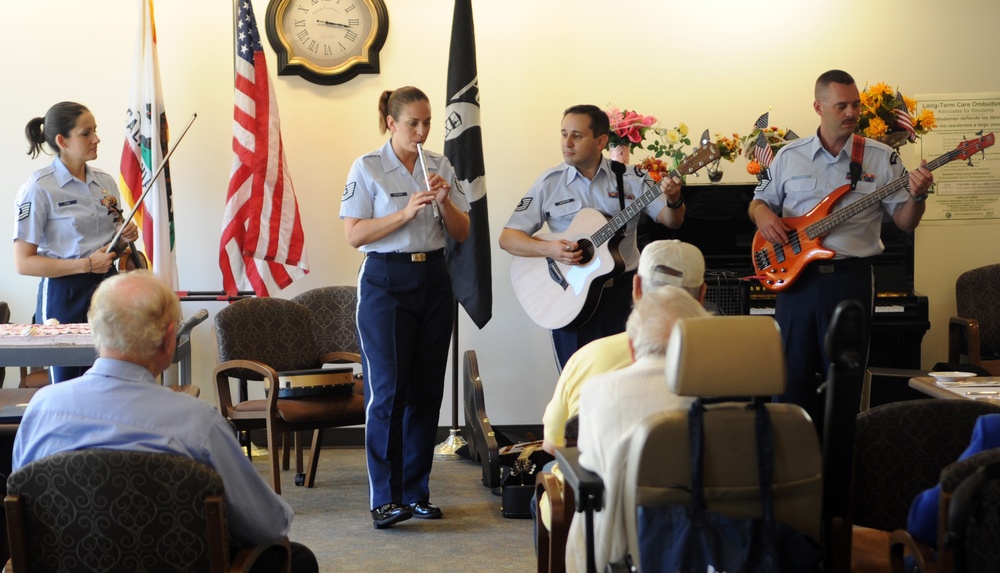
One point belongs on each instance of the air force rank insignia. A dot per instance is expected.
(765, 179)
(523, 204)
(349, 190)
(23, 211)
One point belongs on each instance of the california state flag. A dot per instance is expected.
(145, 146)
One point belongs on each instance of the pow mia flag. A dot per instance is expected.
(469, 262)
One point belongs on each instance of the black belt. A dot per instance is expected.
(409, 257)
(842, 265)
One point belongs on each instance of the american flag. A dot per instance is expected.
(262, 241)
(761, 122)
(791, 135)
(762, 151)
(903, 119)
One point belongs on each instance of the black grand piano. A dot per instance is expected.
(717, 223)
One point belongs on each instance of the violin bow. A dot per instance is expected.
(148, 186)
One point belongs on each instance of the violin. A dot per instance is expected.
(132, 259)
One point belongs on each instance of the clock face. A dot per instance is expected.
(327, 41)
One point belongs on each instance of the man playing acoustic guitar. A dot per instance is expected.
(802, 174)
(586, 180)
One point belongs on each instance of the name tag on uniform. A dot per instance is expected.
(67, 203)
(403, 194)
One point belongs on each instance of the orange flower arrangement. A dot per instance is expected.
(878, 118)
(655, 167)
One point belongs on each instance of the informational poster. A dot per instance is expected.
(964, 189)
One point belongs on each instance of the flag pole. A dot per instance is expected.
(448, 449)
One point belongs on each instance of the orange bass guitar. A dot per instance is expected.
(779, 265)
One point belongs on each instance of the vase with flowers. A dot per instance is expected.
(890, 117)
(670, 144)
(762, 144)
(729, 149)
(628, 129)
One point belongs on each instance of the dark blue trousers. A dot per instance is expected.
(609, 318)
(405, 314)
(803, 312)
(67, 300)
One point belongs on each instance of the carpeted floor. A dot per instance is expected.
(333, 520)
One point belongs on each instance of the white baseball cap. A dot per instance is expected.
(671, 262)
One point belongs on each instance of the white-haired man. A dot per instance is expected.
(117, 404)
(611, 406)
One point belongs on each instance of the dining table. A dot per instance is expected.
(68, 345)
(958, 387)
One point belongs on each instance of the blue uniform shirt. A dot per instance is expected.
(67, 218)
(118, 405)
(804, 172)
(379, 185)
(559, 194)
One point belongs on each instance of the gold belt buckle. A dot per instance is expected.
(418, 257)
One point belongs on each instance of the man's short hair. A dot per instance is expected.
(671, 262)
(130, 312)
(832, 77)
(653, 318)
(599, 122)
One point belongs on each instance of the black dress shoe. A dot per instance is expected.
(424, 510)
(390, 514)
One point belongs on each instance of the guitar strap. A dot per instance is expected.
(618, 168)
(857, 154)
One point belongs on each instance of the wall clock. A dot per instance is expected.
(327, 41)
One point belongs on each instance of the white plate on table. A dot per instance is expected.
(951, 376)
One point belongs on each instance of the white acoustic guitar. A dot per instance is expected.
(556, 295)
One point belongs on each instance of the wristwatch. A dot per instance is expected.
(916, 198)
(677, 205)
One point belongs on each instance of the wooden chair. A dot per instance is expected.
(257, 338)
(900, 449)
(122, 511)
(968, 538)
(551, 538)
(975, 331)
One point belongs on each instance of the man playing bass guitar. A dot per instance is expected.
(802, 174)
(586, 180)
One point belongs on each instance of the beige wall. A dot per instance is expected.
(713, 64)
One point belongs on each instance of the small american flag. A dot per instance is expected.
(762, 151)
(790, 135)
(262, 241)
(903, 119)
(761, 122)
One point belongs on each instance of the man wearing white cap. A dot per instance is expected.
(661, 263)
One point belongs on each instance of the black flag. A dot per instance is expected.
(469, 263)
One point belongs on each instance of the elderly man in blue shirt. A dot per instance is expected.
(118, 404)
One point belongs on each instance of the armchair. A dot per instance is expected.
(257, 339)
(968, 537)
(975, 331)
(111, 510)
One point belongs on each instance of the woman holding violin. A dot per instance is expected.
(67, 214)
